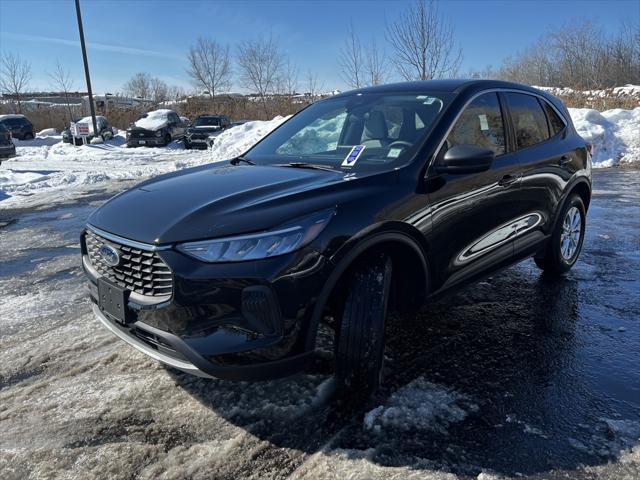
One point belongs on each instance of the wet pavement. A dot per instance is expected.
(517, 376)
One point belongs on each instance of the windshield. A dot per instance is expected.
(362, 132)
(207, 122)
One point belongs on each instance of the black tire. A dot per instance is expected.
(552, 261)
(28, 136)
(167, 139)
(187, 145)
(360, 336)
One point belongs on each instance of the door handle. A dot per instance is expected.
(564, 159)
(508, 180)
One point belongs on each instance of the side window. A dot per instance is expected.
(480, 124)
(556, 124)
(529, 120)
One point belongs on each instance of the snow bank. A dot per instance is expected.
(614, 134)
(237, 140)
(153, 120)
(47, 132)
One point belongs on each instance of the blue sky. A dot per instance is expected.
(127, 36)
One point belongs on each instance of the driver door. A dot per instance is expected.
(475, 215)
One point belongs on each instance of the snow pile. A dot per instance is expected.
(48, 132)
(420, 405)
(237, 140)
(614, 134)
(154, 120)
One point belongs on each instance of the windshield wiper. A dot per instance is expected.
(314, 166)
(237, 160)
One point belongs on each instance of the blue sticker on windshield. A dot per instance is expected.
(353, 156)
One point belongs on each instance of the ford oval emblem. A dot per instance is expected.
(109, 255)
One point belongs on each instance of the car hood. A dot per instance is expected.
(215, 201)
(134, 129)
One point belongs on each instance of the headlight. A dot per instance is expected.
(253, 246)
(158, 133)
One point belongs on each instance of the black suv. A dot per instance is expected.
(204, 127)
(157, 128)
(7, 148)
(378, 198)
(19, 126)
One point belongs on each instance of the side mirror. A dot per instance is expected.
(465, 159)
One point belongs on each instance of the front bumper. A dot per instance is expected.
(236, 321)
(196, 142)
(145, 142)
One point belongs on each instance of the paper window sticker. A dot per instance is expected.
(484, 123)
(394, 152)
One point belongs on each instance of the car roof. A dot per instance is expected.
(11, 115)
(453, 86)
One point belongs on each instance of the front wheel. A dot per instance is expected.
(566, 241)
(28, 136)
(167, 139)
(360, 336)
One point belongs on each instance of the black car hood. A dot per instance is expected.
(135, 129)
(214, 201)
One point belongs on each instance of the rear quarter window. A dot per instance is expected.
(529, 121)
(556, 124)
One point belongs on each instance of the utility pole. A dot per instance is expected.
(86, 69)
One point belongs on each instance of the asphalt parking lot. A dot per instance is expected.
(519, 376)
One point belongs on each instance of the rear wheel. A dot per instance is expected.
(28, 136)
(566, 241)
(167, 139)
(360, 336)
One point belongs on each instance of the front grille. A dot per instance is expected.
(200, 136)
(140, 271)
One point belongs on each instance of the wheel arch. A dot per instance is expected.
(580, 186)
(408, 255)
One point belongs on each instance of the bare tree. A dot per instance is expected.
(424, 43)
(376, 65)
(289, 78)
(15, 75)
(261, 63)
(351, 60)
(314, 86)
(63, 82)
(210, 66)
(139, 86)
(159, 90)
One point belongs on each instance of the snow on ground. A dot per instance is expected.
(47, 171)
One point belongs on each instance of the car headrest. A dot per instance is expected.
(375, 125)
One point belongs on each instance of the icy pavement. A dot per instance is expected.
(519, 377)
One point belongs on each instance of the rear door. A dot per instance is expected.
(540, 141)
(474, 216)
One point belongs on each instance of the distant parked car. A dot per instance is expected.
(203, 128)
(7, 148)
(19, 126)
(105, 131)
(157, 128)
